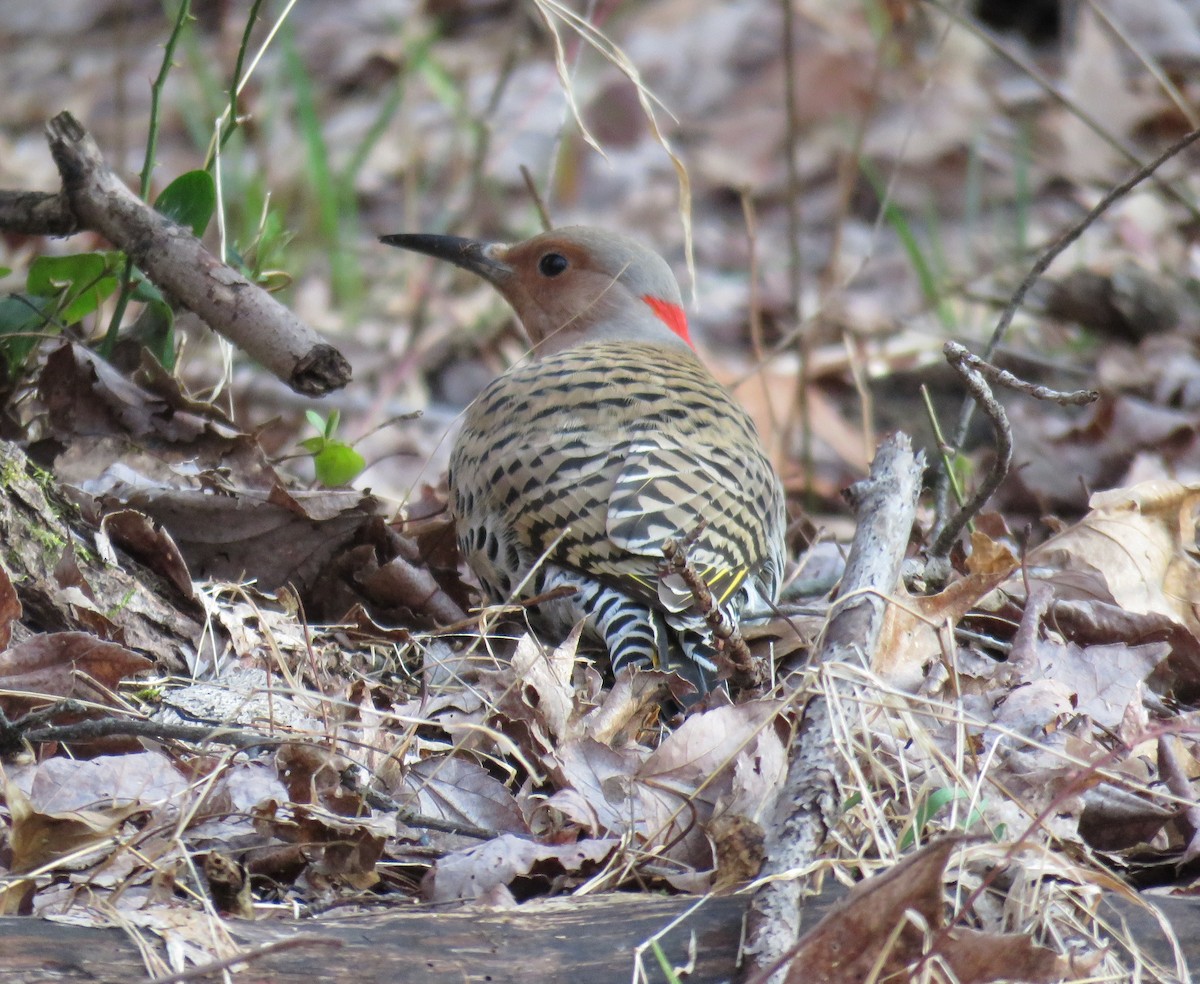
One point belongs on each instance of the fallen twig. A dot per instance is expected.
(731, 648)
(33, 729)
(885, 506)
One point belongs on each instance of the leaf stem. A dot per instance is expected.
(156, 89)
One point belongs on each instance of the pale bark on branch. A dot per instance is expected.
(94, 199)
(885, 506)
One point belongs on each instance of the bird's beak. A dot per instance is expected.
(480, 258)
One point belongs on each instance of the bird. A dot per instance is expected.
(574, 466)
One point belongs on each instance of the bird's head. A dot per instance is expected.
(571, 285)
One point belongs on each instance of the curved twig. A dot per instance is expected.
(976, 373)
(941, 497)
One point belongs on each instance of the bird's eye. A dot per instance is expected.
(552, 264)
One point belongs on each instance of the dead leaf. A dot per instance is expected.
(37, 838)
(457, 790)
(113, 430)
(1057, 461)
(274, 537)
(470, 873)
(918, 629)
(738, 843)
(59, 665)
(871, 935)
(1116, 819)
(151, 545)
(727, 760)
(1142, 544)
(1099, 87)
(543, 693)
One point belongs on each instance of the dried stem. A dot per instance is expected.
(156, 89)
(536, 197)
(732, 650)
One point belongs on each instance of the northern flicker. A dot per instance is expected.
(575, 465)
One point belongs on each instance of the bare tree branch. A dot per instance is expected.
(885, 505)
(94, 198)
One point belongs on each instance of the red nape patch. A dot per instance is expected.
(670, 315)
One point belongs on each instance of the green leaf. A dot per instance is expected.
(21, 319)
(5, 271)
(929, 807)
(145, 292)
(338, 464)
(190, 200)
(663, 963)
(19, 313)
(88, 300)
(316, 420)
(48, 275)
(80, 281)
(156, 327)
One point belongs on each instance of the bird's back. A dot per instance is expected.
(593, 456)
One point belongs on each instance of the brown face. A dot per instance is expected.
(572, 284)
(557, 282)
(548, 258)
